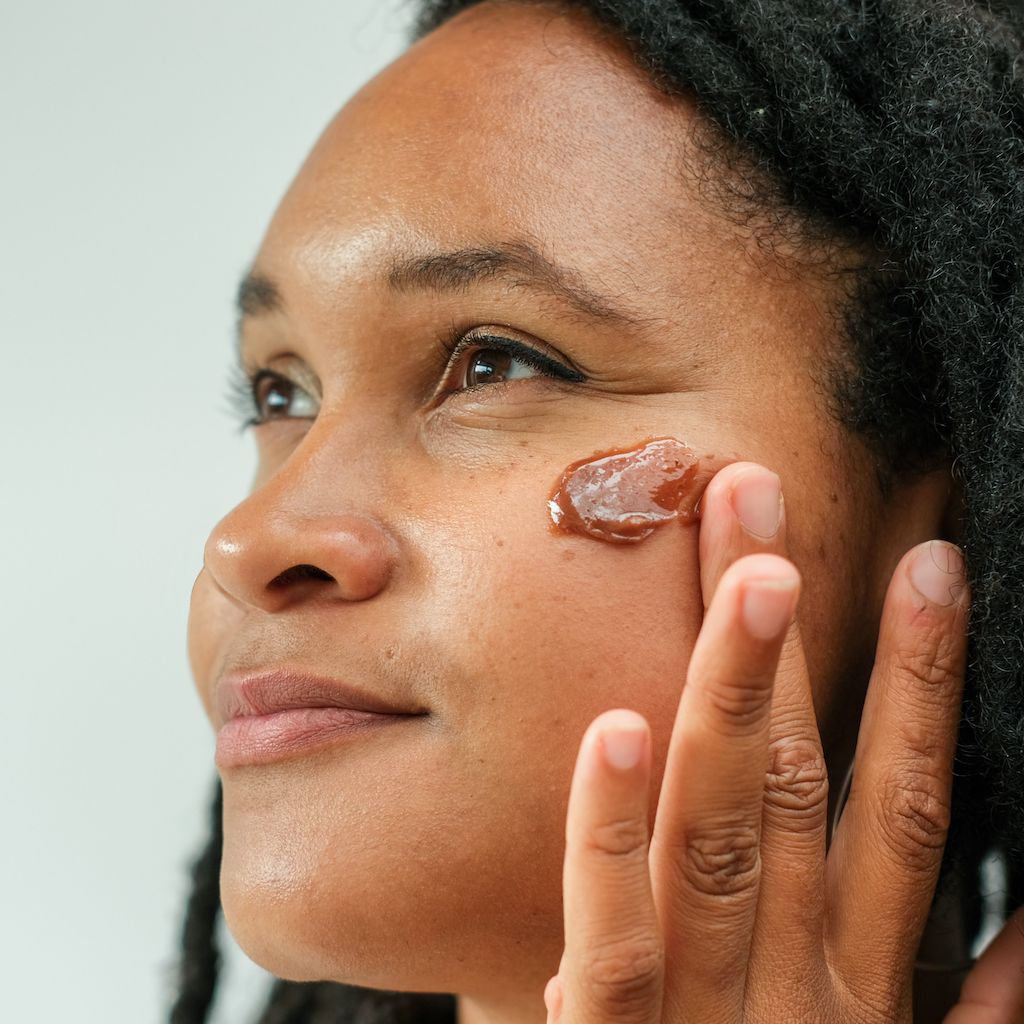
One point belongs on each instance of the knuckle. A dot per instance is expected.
(623, 975)
(743, 700)
(915, 819)
(722, 861)
(932, 664)
(621, 837)
(797, 781)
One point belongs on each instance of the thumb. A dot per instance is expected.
(993, 992)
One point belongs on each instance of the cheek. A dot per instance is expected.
(547, 631)
(834, 533)
(438, 850)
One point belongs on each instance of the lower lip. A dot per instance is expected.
(262, 739)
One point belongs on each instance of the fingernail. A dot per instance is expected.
(937, 573)
(623, 747)
(768, 606)
(757, 502)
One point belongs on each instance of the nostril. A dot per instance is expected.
(299, 574)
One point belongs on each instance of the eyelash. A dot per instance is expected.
(241, 397)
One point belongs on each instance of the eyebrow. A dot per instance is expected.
(257, 294)
(519, 264)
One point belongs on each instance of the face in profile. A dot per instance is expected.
(499, 260)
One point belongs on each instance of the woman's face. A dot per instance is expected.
(497, 261)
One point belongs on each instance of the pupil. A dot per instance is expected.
(487, 367)
(273, 398)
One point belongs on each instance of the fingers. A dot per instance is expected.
(994, 990)
(788, 930)
(613, 963)
(743, 512)
(887, 849)
(705, 859)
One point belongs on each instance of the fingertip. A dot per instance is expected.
(756, 499)
(621, 718)
(742, 512)
(768, 606)
(936, 572)
(761, 567)
(757, 594)
(720, 495)
(622, 737)
(997, 981)
(554, 997)
(722, 482)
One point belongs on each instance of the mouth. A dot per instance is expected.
(276, 714)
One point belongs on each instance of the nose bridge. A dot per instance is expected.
(308, 531)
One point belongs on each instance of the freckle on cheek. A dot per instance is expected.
(624, 495)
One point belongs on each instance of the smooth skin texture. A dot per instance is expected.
(515, 177)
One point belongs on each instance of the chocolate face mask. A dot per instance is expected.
(624, 495)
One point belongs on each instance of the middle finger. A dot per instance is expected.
(743, 513)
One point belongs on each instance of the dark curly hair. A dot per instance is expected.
(897, 126)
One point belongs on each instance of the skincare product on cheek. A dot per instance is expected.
(624, 495)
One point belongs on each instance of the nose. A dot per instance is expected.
(271, 558)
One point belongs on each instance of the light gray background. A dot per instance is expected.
(143, 147)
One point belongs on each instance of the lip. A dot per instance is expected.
(276, 714)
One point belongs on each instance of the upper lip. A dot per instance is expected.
(268, 691)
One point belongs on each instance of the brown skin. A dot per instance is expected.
(428, 855)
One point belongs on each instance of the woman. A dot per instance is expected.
(771, 249)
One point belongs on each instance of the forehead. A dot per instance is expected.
(511, 122)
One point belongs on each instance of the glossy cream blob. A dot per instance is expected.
(624, 495)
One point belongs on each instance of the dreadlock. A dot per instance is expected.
(200, 959)
(899, 124)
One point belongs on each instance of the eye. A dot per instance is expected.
(492, 366)
(276, 397)
(482, 358)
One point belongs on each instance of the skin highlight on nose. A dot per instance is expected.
(277, 561)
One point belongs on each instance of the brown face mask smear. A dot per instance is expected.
(624, 495)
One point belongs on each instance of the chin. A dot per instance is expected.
(411, 891)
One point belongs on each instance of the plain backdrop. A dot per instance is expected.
(144, 146)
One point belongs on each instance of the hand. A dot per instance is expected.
(732, 912)
(993, 992)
